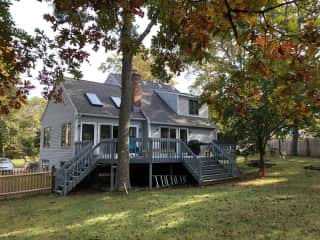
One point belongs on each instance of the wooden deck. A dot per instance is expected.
(220, 162)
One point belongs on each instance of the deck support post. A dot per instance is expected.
(150, 175)
(112, 171)
(171, 170)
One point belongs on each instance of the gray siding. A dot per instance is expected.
(97, 121)
(171, 99)
(55, 115)
(184, 107)
(201, 134)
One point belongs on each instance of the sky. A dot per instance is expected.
(28, 15)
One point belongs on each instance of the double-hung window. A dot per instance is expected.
(66, 135)
(46, 137)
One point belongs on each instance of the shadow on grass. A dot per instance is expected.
(284, 205)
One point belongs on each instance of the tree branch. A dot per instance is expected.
(231, 20)
(262, 11)
(145, 32)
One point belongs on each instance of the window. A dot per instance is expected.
(46, 136)
(45, 164)
(88, 132)
(116, 101)
(115, 131)
(184, 135)
(94, 99)
(105, 132)
(132, 132)
(66, 135)
(170, 133)
(193, 107)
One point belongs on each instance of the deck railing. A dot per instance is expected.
(150, 150)
(225, 155)
(191, 161)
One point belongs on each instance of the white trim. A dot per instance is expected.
(107, 116)
(69, 99)
(137, 129)
(99, 130)
(113, 125)
(186, 126)
(183, 128)
(178, 104)
(95, 140)
(176, 128)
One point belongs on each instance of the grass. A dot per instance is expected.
(283, 205)
(19, 162)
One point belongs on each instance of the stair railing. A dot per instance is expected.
(190, 160)
(80, 145)
(225, 155)
(84, 162)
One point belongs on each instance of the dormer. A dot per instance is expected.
(189, 105)
(184, 104)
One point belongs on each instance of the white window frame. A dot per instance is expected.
(43, 138)
(94, 131)
(63, 145)
(105, 124)
(177, 132)
(187, 132)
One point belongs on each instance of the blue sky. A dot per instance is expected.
(28, 16)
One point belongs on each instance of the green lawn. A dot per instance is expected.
(283, 205)
(19, 162)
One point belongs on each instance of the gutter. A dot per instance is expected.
(148, 123)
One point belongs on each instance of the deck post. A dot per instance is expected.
(171, 169)
(150, 175)
(112, 170)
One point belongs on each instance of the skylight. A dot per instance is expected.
(94, 99)
(116, 101)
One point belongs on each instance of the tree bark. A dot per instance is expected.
(261, 149)
(123, 173)
(294, 143)
(261, 163)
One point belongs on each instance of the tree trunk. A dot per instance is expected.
(280, 147)
(261, 149)
(261, 163)
(123, 174)
(294, 143)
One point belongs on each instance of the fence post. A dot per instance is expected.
(308, 147)
(53, 178)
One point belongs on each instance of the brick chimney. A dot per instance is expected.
(137, 89)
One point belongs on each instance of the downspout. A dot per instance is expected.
(76, 137)
(148, 123)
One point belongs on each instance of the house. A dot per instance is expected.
(82, 131)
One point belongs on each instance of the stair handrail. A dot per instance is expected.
(195, 159)
(83, 159)
(92, 150)
(228, 155)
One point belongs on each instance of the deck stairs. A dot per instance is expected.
(220, 165)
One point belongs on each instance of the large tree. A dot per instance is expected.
(271, 83)
(185, 30)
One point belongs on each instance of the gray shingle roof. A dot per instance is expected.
(77, 89)
(115, 79)
(159, 112)
(155, 109)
